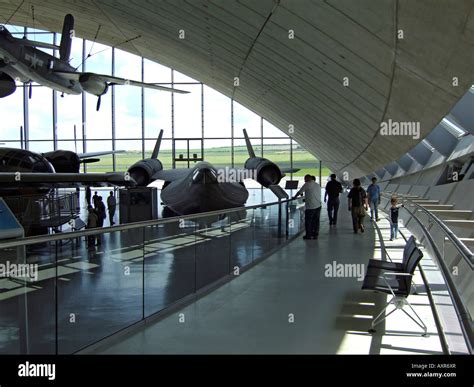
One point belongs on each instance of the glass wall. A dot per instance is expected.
(82, 293)
(130, 118)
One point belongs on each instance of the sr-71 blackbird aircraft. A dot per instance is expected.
(204, 188)
(20, 60)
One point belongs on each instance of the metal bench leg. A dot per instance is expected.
(377, 320)
(420, 322)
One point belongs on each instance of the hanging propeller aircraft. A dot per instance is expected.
(21, 60)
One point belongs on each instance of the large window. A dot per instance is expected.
(245, 119)
(98, 124)
(128, 122)
(157, 104)
(187, 112)
(12, 116)
(130, 118)
(217, 114)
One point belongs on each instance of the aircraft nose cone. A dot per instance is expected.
(204, 176)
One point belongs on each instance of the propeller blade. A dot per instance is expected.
(98, 102)
(30, 91)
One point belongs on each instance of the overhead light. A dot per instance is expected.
(427, 144)
(452, 127)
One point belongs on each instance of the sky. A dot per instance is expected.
(187, 108)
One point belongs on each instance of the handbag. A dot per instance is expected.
(361, 211)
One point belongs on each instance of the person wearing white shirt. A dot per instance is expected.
(312, 196)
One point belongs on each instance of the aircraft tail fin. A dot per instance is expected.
(66, 37)
(154, 155)
(249, 144)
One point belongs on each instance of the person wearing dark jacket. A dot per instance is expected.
(88, 196)
(357, 202)
(333, 189)
(92, 221)
(111, 205)
(95, 199)
(101, 215)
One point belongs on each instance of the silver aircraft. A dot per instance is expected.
(22, 61)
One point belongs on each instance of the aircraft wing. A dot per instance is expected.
(66, 179)
(171, 174)
(96, 154)
(75, 75)
(32, 43)
(289, 170)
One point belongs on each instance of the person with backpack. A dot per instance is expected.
(357, 203)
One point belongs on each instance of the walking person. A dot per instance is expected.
(373, 193)
(92, 221)
(111, 206)
(88, 196)
(312, 195)
(357, 202)
(333, 189)
(394, 217)
(95, 199)
(101, 215)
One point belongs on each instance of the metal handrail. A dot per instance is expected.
(442, 336)
(461, 311)
(461, 247)
(465, 252)
(137, 225)
(439, 326)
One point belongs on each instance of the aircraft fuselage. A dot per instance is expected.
(29, 64)
(201, 191)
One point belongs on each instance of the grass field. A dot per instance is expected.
(219, 157)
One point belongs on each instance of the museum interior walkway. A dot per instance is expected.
(289, 303)
(241, 283)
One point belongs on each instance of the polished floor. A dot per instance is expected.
(293, 304)
(85, 294)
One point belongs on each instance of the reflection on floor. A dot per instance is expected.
(290, 304)
(132, 274)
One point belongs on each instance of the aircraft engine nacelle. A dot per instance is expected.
(142, 171)
(267, 172)
(64, 161)
(93, 84)
(7, 85)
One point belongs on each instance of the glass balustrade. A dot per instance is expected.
(72, 290)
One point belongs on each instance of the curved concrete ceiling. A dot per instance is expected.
(299, 81)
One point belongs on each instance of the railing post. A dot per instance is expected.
(279, 219)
